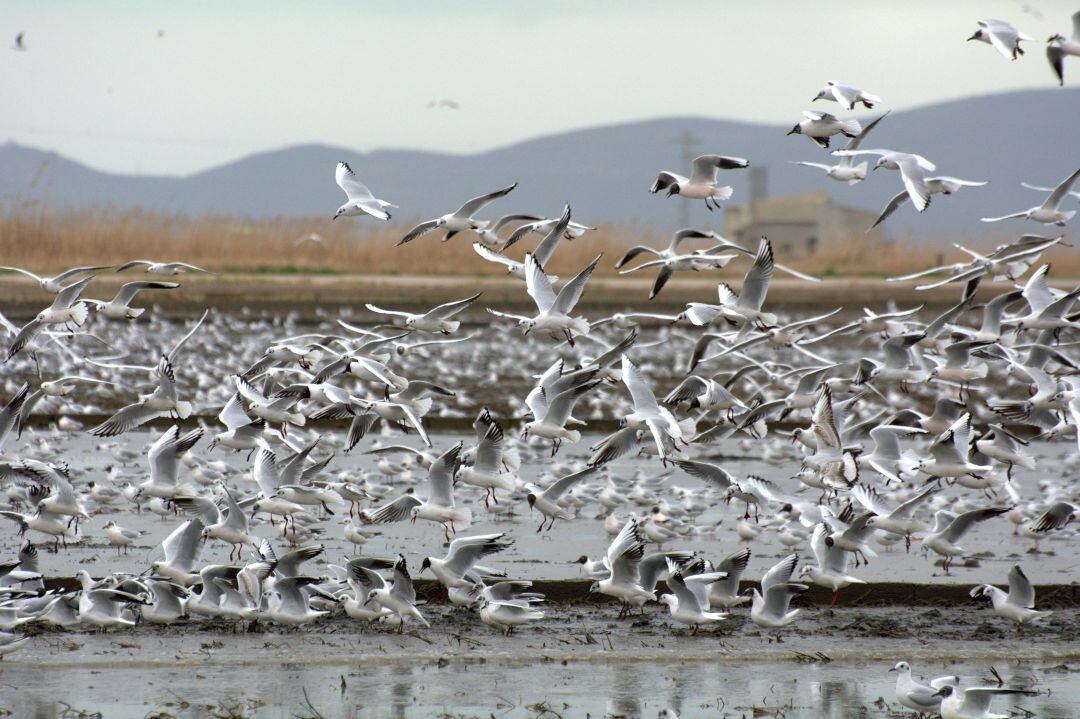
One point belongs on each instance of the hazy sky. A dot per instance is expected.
(226, 79)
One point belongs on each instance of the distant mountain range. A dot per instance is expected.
(605, 172)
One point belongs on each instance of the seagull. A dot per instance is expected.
(117, 308)
(820, 126)
(1057, 516)
(1049, 212)
(725, 592)
(288, 604)
(459, 220)
(1018, 604)
(1058, 47)
(120, 537)
(461, 556)
(1003, 36)
(361, 201)
(702, 181)
(941, 185)
(743, 308)
(489, 235)
(487, 470)
(552, 407)
(648, 414)
(436, 320)
(543, 252)
(508, 614)
(66, 309)
(361, 579)
(770, 606)
(553, 314)
(546, 501)
(949, 528)
(439, 507)
(398, 595)
(912, 170)
(672, 250)
(832, 564)
(181, 548)
(898, 521)
(920, 697)
(844, 171)
(622, 561)
(974, 702)
(689, 602)
(847, 95)
(55, 285)
(167, 269)
(20, 42)
(573, 231)
(162, 400)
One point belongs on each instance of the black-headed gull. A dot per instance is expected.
(167, 269)
(436, 320)
(847, 95)
(55, 284)
(361, 201)
(1018, 604)
(701, 185)
(553, 310)
(459, 220)
(922, 698)
(1058, 47)
(770, 606)
(1049, 212)
(844, 170)
(118, 307)
(949, 528)
(546, 500)
(973, 702)
(1003, 36)
(820, 126)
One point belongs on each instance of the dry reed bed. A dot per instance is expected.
(34, 237)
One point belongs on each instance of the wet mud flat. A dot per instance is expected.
(579, 661)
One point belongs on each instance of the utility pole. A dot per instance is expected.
(687, 144)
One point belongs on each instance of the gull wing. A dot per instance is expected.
(474, 205)
(571, 292)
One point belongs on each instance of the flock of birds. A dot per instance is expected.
(899, 416)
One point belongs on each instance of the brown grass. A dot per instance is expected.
(34, 237)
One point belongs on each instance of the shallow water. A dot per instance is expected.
(515, 689)
(549, 555)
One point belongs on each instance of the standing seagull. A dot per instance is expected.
(701, 184)
(1058, 48)
(847, 95)
(361, 201)
(1049, 212)
(459, 220)
(1003, 36)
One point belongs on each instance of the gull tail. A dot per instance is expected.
(79, 312)
(850, 128)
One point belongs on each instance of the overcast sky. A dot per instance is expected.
(225, 79)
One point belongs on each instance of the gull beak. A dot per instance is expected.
(790, 132)
(973, 37)
(893, 669)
